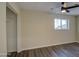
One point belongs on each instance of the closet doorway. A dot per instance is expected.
(11, 31)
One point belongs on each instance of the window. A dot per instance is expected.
(61, 24)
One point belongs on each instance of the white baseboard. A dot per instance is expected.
(3, 54)
(20, 50)
(48, 45)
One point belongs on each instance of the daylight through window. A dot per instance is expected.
(61, 24)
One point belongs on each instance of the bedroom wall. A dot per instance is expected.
(3, 41)
(77, 23)
(38, 30)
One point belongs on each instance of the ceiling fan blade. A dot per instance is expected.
(72, 7)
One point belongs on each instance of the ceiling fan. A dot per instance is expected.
(65, 8)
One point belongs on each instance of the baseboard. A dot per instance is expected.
(48, 45)
(3, 54)
(77, 41)
(19, 50)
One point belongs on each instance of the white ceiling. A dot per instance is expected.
(53, 7)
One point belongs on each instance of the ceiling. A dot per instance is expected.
(52, 7)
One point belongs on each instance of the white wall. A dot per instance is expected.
(38, 30)
(3, 41)
(77, 28)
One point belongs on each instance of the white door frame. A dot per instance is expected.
(19, 46)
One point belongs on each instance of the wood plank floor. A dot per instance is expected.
(64, 50)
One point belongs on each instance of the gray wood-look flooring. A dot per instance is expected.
(64, 50)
